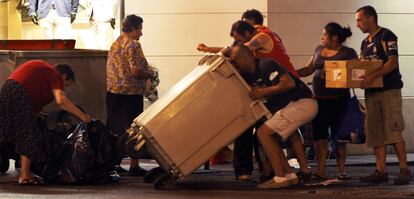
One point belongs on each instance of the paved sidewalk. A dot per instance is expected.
(219, 182)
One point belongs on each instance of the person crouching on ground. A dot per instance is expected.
(287, 97)
(33, 85)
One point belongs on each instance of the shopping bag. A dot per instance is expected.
(351, 128)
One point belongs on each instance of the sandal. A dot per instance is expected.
(32, 182)
(317, 178)
(343, 176)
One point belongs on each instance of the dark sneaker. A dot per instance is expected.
(137, 171)
(265, 178)
(343, 176)
(304, 177)
(403, 177)
(376, 177)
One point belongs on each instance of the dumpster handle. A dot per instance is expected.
(259, 105)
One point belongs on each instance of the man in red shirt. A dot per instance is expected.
(262, 41)
(28, 89)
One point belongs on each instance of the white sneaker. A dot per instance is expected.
(272, 184)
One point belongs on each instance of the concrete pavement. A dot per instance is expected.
(219, 182)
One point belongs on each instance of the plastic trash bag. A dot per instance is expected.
(88, 155)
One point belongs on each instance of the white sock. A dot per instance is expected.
(291, 176)
(278, 179)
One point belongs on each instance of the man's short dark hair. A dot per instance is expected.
(254, 15)
(65, 69)
(131, 22)
(369, 11)
(240, 27)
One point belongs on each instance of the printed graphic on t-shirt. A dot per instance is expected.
(273, 75)
(371, 52)
(392, 45)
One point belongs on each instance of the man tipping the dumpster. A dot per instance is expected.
(287, 97)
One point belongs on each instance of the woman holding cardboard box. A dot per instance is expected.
(331, 101)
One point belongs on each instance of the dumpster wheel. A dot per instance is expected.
(153, 174)
(161, 181)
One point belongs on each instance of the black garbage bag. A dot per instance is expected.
(88, 155)
(57, 117)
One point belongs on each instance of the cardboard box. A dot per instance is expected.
(348, 73)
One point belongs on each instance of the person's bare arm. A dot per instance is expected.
(389, 66)
(307, 70)
(64, 103)
(285, 84)
(258, 42)
(204, 48)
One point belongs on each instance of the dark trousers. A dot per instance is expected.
(243, 152)
(121, 110)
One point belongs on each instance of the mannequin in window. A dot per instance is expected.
(54, 17)
(102, 20)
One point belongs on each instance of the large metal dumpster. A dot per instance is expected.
(90, 70)
(197, 117)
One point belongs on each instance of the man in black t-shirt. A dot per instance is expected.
(385, 121)
(287, 97)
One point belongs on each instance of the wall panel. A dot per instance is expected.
(339, 6)
(172, 69)
(188, 6)
(300, 24)
(173, 30)
(3, 20)
(301, 32)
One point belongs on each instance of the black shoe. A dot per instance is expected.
(119, 169)
(403, 177)
(137, 171)
(377, 177)
(304, 177)
(265, 178)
